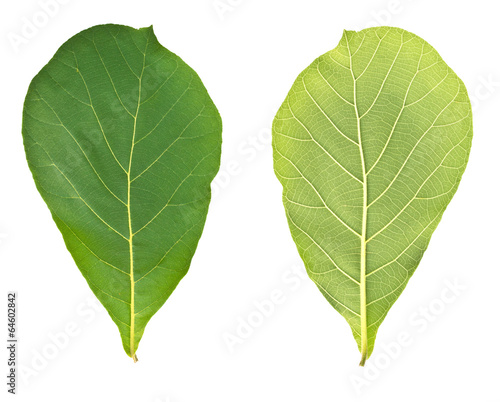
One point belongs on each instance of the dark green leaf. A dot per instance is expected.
(123, 141)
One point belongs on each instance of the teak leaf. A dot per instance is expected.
(123, 141)
(370, 145)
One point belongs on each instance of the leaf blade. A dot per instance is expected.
(368, 131)
(123, 141)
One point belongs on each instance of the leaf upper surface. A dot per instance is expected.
(370, 145)
(123, 141)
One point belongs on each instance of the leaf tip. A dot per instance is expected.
(148, 29)
(346, 34)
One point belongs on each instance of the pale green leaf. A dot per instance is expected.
(370, 145)
(123, 141)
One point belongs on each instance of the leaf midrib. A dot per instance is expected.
(362, 277)
(129, 215)
(364, 219)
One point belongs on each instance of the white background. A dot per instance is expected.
(248, 55)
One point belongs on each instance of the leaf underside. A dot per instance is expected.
(123, 141)
(370, 145)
